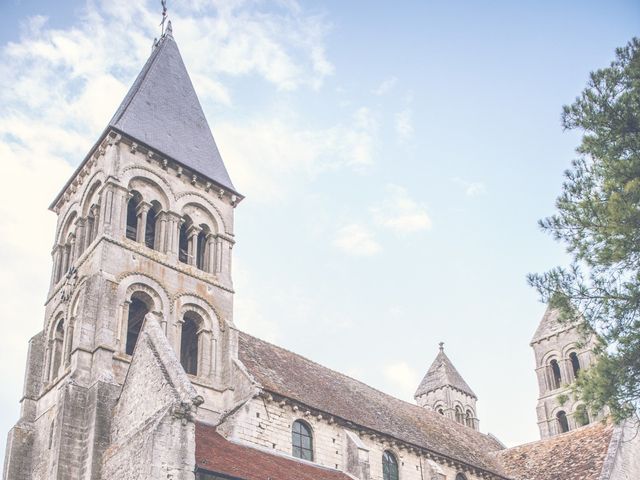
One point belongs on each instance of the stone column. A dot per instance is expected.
(124, 327)
(173, 223)
(142, 210)
(210, 253)
(57, 259)
(160, 241)
(65, 260)
(192, 235)
(81, 235)
(204, 353)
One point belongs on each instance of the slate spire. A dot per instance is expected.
(442, 373)
(162, 111)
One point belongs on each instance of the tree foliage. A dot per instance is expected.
(598, 219)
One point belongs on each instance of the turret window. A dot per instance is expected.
(563, 424)
(459, 415)
(302, 440)
(389, 466)
(556, 377)
(575, 363)
(469, 419)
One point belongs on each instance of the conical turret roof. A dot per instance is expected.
(163, 112)
(551, 324)
(442, 373)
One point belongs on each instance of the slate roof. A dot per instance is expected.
(442, 373)
(577, 455)
(217, 455)
(290, 375)
(549, 325)
(163, 112)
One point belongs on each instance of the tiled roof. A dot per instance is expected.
(442, 373)
(577, 455)
(293, 376)
(217, 455)
(162, 111)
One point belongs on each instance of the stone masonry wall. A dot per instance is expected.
(268, 424)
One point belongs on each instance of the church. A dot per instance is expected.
(139, 372)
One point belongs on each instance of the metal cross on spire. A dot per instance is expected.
(164, 14)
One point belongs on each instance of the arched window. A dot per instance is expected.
(563, 424)
(189, 343)
(459, 415)
(150, 229)
(201, 254)
(461, 476)
(389, 466)
(575, 363)
(132, 216)
(469, 419)
(440, 410)
(183, 249)
(581, 416)
(56, 348)
(138, 308)
(556, 377)
(302, 440)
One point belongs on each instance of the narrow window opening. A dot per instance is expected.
(183, 249)
(469, 419)
(556, 377)
(459, 415)
(58, 340)
(389, 466)
(137, 311)
(461, 476)
(575, 363)
(150, 228)
(563, 424)
(132, 216)
(189, 345)
(202, 248)
(302, 440)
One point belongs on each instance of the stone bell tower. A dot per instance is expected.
(561, 351)
(444, 390)
(145, 231)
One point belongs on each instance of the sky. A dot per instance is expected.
(395, 158)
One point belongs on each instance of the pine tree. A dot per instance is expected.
(598, 219)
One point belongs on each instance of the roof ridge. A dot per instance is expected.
(324, 366)
(412, 405)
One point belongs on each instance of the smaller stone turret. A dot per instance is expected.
(561, 350)
(444, 390)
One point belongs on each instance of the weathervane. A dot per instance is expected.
(164, 14)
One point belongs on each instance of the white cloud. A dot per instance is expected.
(386, 86)
(356, 239)
(282, 153)
(400, 213)
(402, 379)
(471, 189)
(404, 124)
